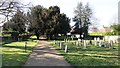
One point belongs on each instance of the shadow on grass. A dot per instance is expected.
(20, 47)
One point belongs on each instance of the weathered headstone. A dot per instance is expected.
(79, 43)
(87, 42)
(95, 41)
(98, 39)
(100, 43)
(111, 44)
(62, 46)
(84, 44)
(66, 48)
(64, 40)
(91, 42)
(106, 45)
(54, 42)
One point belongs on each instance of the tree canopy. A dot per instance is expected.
(116, 29)
(49, 22)
(16, 23)
(82, 18)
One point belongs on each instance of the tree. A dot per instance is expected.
(82, 18)
(16, 23)
(116, 29)
(59, 23)
(36, 19)
(8, 8)
(48, 22)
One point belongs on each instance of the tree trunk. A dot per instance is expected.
(37, 35)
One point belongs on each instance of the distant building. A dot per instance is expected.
(105, 29)
(93, 29)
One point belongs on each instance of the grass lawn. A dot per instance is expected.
(92, 56)
(13, 52)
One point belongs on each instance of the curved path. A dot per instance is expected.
(45, 55)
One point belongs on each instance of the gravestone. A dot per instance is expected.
(100, 43)
(66, 48)
(91, 42)
(62, 46)
(95, 41)
(64, 40)
(57, 43)
(98, 39)
(111, 44)
(79, 39)
(77, 43)
(106, 45)
(84, 44)
(87, 42)
(54, 42)
(80, 44)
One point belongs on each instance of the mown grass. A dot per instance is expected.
(92, 56)
(14, 53)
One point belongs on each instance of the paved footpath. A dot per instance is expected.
(45, 55)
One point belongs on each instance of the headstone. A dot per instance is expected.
(87, 42)
(66, 48)
(58, 43)
(100, 43)
(98, 39)
(111, 44)
(91, 42)
(64, 40)
(62, 46)
(106, 45)
(54, 42)
(79, 44)
(79, 39)
(84, 44)
(95, 41)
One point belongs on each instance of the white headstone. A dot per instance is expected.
(84, 44)
(98, 39)
(95, 41)
(66, 48)
(87, 42)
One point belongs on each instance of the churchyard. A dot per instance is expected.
(24, 25)
(97, 52)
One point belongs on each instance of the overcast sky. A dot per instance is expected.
(105, 11)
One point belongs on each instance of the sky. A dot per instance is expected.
(105, 12)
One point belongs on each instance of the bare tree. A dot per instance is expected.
(9, 7)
